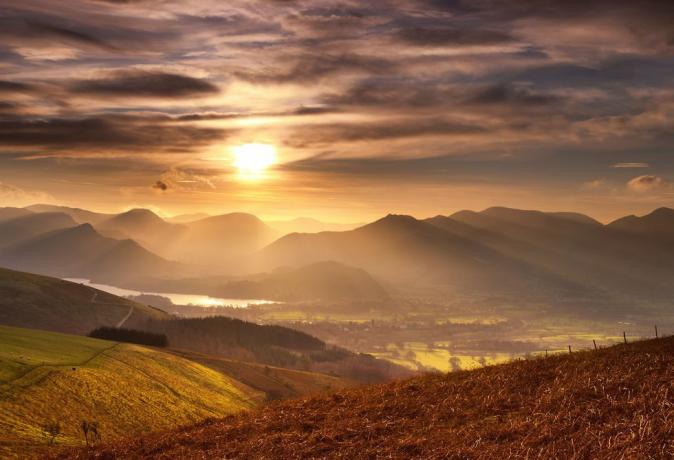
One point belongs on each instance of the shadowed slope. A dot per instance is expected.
(659, 224)
(82, 252)
(81, 216)
(613, 403)
(403, 248)
(41, 302)
(30, 225)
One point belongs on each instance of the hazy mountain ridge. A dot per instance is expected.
(496, 249)
(81, 251)
(658, 224)
(23, 227)
(309, 225)
(328, 281)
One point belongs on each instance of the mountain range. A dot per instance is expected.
(497, 250)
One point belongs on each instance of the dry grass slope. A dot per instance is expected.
(612, 403)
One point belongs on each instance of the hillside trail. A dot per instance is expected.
(128, 315)
(60, 365)
(123, 320)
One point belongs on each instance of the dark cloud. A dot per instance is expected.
(106, 133)
(145, 84)
(400, 78)
(88, 31)
(383, 130)
(510, 95)
(411, 94)
(299, 111)
(308, 68)
(421, 36)
(17, 24)
(59, 32)
(14, 87)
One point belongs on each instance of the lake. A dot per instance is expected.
(177, 299)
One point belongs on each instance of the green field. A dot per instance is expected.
(50, 377)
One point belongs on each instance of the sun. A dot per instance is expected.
(253, 159)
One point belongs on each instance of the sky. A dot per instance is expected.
(421, 107)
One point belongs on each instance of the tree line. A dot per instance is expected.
(130, 336)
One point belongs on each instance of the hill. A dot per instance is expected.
(659, 225)
(210, 242)
(578, 250)
(81, 216)
(271, 345)
(83, 252)
(274, 382)
(49, 377)
(41, 302)
(143, 226)
(218, 241)
(308, 225)
(186, 218)
(26, 226)
(405, 250)
(330, 281)
(318, 281)
(611, 403)
(499, 251)
(11, 213)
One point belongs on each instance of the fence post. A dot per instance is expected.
(569, 348)
(624, 337)
(595, 343)
(546, 352)
(656, 331)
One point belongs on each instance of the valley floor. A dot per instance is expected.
(617, 402)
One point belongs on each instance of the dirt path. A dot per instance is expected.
(128, 315)
(56, 366)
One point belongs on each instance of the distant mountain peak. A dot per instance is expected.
(397, 218)
(662, 212)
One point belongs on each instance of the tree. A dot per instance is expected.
(90, 430)
(51, 431)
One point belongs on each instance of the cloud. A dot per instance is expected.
(182, 178)
(310, 67)
(648, 183)
(15, 196)
(422, 36)
(630, 165)
(107, 133)
(138, 83)
(384, 130)
(14, 87)
(17, 25)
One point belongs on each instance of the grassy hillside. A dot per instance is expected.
(612, 403)
(50, 377)
(271, 345)
(42, 302)
(274, 382)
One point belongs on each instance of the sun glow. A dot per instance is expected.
(253, 159)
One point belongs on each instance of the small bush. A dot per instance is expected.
(130, 336)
